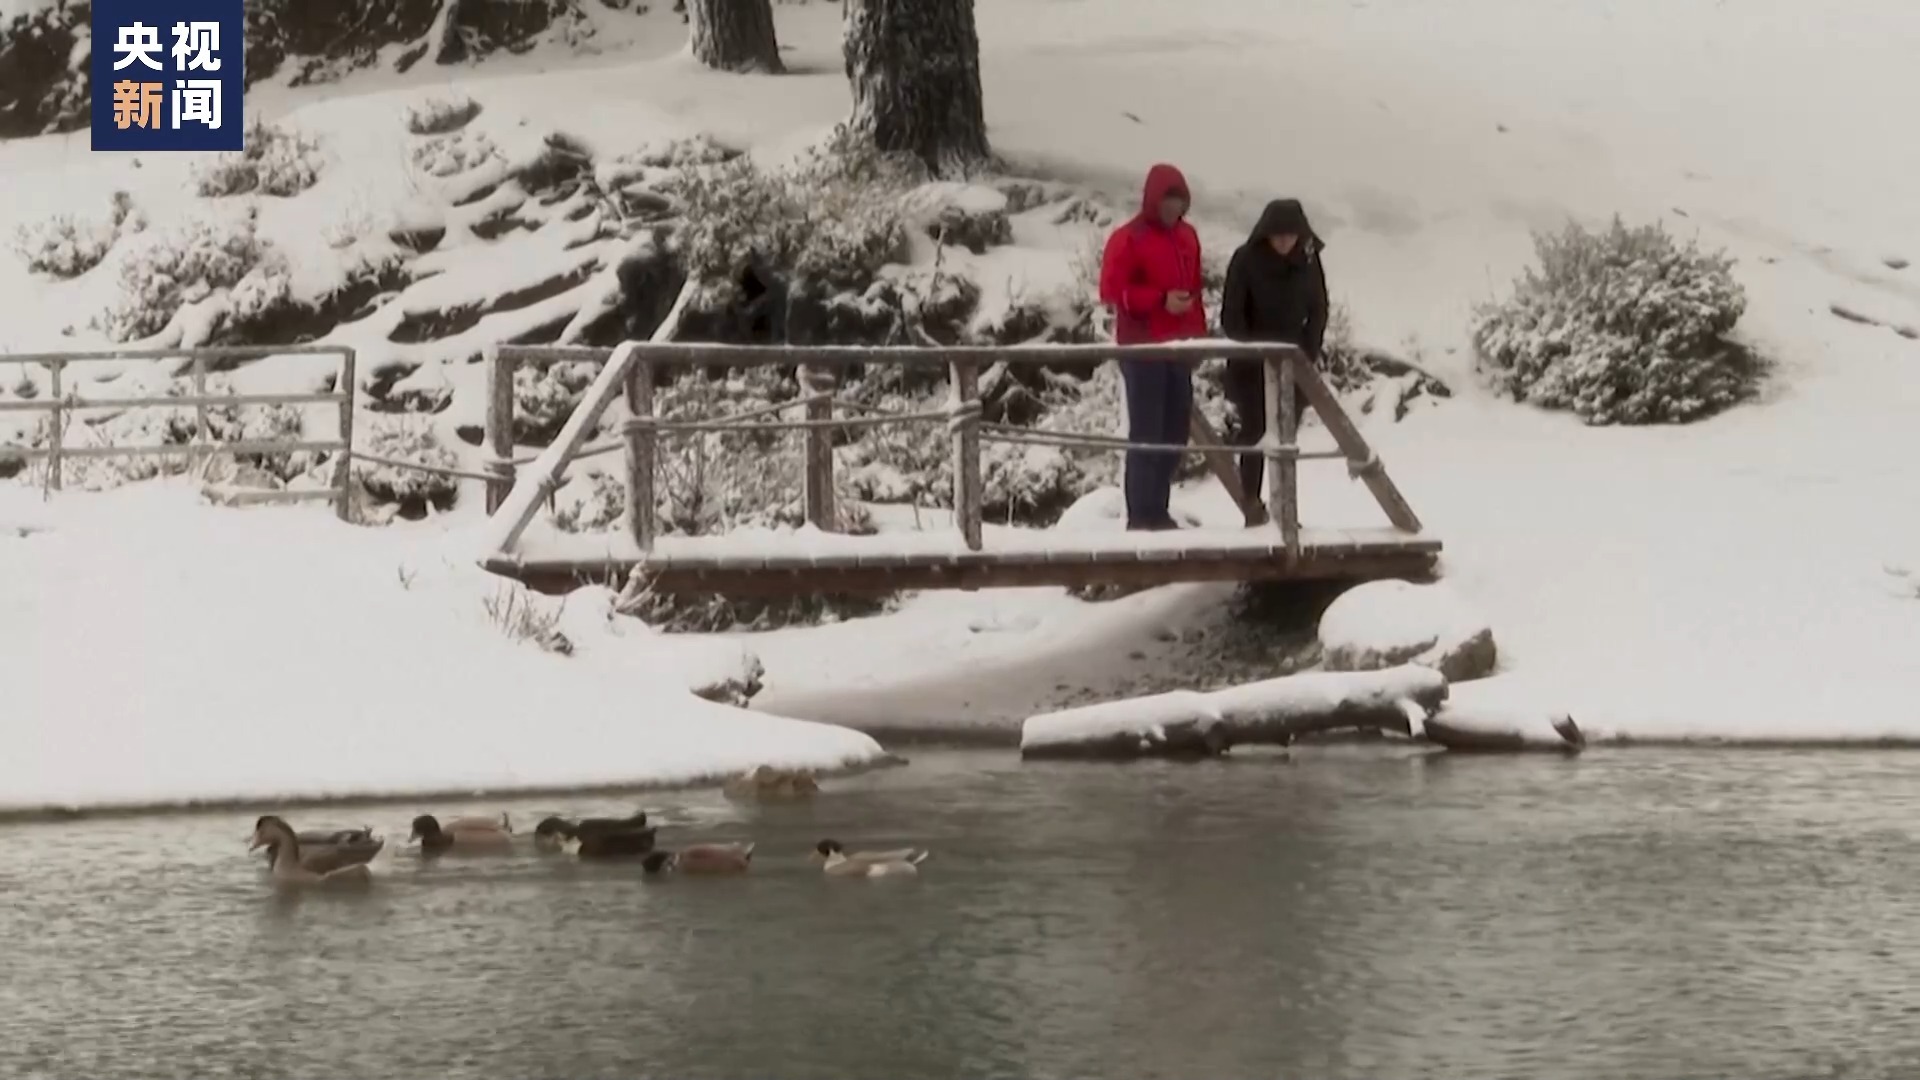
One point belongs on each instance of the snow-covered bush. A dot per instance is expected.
(440, 115)
(166, 426)
(64, 246)
(544, 396)
(834, 217)
(713, 613)
(399, 437)
(714, 482)
(1620, 326)
(450, 155)
(179, 266)
(277, 161)
(1021, 484)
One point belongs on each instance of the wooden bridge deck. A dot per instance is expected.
(790, 563)
(968, 555)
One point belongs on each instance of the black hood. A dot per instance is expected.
(1286, 216)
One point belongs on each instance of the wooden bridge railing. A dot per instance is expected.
(629, 371)
(62, 401)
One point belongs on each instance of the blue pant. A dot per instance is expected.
(1159, 410)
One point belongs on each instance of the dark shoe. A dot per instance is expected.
(1165, 525)
(1257, 515)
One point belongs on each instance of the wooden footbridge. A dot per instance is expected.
(969, 555)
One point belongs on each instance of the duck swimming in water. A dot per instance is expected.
(463, 836)
(289, 869)
(701, 859)
(595, 838)
(900, 862)
(321, 851)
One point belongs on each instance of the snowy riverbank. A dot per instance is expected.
(157, 651)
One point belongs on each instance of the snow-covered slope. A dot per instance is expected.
(158, 651)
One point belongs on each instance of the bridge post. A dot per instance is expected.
(642, 442)
(817, 470)
(963, 422)
(56, 435)
(1283, 449)
(347, 387)
(499, 462)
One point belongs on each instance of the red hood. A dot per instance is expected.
(1162, 180)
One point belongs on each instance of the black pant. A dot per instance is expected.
(1159, 410)
(1246, 387)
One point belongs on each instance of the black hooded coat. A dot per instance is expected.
(1271, 297)
(1275, 297)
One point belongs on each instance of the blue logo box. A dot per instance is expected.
(169, 74)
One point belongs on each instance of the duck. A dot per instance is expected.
(321, 851)
(701, 859)
(290, 869)
(595, 838)
(896, 863)
(472, 836)
(770, 784)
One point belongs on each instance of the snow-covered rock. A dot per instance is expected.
(1384, 624)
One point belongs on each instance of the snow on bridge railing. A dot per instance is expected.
(632, 368)
(62, 401)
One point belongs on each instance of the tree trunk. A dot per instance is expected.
(915, 69)
(734, 35)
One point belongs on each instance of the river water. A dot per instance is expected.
(1334, 914)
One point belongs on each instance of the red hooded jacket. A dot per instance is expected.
(1144, 261)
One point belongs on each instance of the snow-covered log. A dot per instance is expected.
(1484, 730)
(915, 70)
(1189, 724)
(734, 35)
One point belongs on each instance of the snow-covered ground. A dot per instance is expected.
(1752, 576)
(155, 650)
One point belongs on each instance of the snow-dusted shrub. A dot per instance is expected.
(440, 115)
(834, 217)
(1620, 326)
(399, 437)
(64, 246)
(169, 426)
(712, 613)
(277, 161)
(521, 616)
(450, 155)
(591, 503)
(713, 482)
(544, 396)
(179, 266)
(1021, 484)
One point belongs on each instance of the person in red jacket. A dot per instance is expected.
(1150, 277)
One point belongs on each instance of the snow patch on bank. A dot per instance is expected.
(157, 651)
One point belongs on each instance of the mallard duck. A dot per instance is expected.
(770, 784)
(288, 866)
(593, 837)
(701, 859)
(476, 836)
(322, 852)
(900, 861)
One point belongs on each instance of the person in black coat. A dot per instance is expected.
(1276, 291)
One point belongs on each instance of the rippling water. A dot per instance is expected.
(1340, 914)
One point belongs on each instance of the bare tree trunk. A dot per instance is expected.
(734, 35)
(915, 69)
